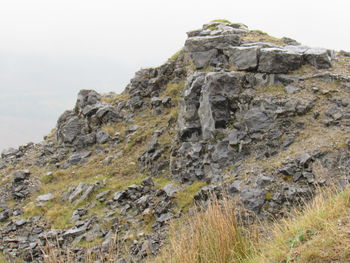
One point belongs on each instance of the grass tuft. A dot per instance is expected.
(317, 233)
(221, 21)
(212, 235)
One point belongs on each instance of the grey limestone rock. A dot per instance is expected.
(201, 59)
(253, 198)
(69, 126)
(9, 152)
(45, 197)
(80, 192)
(102, 137)
(4, 215)
(108, 114)
(20, 175)
(76, 158)
(2, 164)
(291, 89)
(165, 217)
(86, 98)
(243, 58)
(278, 60)
(217, 101)
(319, 57)
(256, 120)
(170, 189)
(205, 43)
(188, 121)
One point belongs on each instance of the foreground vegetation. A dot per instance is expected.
(317, 233)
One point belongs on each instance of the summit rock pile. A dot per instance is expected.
(220, 45)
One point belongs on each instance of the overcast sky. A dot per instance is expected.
(50, 49)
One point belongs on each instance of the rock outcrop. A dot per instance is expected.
(80, 128)
(236, 112)
(222, 47)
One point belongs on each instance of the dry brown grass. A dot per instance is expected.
(52, 253)
(212, 235)
(317, 233)
(260, 36)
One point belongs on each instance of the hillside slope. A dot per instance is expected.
(235, 112)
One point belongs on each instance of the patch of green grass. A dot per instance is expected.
(260, 36)
(184, 198)
(130, 144)
(175, 56)
(89, 244)
(212, 28)
(112, 100)
(162, 181)
(3, 259)
(268, 196)
(174, 90)
(149, 222)
(46, 179)
(222, 21)
(271, 89)
(206, 69)
(58, 213)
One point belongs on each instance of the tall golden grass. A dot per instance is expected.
(211, 235)
(316, 233)
(53, 253)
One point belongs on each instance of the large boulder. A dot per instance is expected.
(319, 57)
(78, 128)
(208, 102)
(279, 60)
(108, 114)
(9, 152)
(217, 101)
(200, 44)
(256, 120)
(188, 122)
(69, 127)
(202, 59)
(86, 98)
(243, 58)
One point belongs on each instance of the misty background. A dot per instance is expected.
(51, 49)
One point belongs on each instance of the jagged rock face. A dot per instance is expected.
(224, 105)
(79, 128)
(209, 101)
(217, 102)
(149, 83)
(86, 98)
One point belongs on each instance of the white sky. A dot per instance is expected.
(50, 49)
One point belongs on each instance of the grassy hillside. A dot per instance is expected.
(128, 178)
